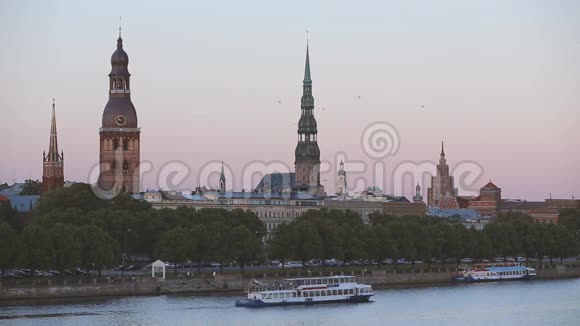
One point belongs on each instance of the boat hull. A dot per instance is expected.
(257, 303)
(461, 279)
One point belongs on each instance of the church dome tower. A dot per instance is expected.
(119, 132)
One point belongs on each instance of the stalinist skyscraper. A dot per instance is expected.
(119, 132)
(442, 183)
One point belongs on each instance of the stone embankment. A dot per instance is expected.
(52, 289)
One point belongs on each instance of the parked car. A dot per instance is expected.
(451, 261)
(387, 261)
(467, 260)
(291, 264)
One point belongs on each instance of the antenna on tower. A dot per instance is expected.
(307, 35)
(120, 24)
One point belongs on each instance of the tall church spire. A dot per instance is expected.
(53, 144)
(52, 162)
(442, 150)
(307, 79)
(222, 180)
(307, 153)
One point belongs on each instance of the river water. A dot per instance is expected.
(508, 303)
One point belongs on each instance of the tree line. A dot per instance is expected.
(71, 227)
(324, 234)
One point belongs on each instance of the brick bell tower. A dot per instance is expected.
(307, 153)
(119, 132)
(53, 162)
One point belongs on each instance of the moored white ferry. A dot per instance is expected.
(297, 291)
(495, 272)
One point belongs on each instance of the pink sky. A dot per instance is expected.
(499, 83)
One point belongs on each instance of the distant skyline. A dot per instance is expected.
(498, 81)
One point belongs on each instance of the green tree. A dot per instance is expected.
(282, 246)
(31, 187)
(97, 248)
(308, 242)
(9, 247)
(65, 246)
(9, 215)
(200, 244)
(37, 247)
(246, 247)
(174, 246)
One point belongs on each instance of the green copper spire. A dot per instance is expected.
(222, 174)
(307, 79)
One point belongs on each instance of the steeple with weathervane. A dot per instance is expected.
(52, 162)
(307, 153)
(222, 180)
(119, 133)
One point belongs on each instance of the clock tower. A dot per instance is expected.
(119, 132)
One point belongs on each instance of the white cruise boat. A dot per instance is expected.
(299, 291)
(495, 272)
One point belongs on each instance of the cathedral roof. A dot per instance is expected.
(119, 60)
(116, 107)
(490, 186)
(276, 182)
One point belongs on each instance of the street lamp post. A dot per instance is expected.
(124, 257)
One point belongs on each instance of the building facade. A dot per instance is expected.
(341, 186)
(119, 133)
(442, 183)
(52, 162)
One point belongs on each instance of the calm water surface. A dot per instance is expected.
(511, 303)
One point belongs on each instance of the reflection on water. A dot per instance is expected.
(511, 303)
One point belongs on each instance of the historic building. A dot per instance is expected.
(441, 183)
(52, 162)
(487, 203)
(222, 180)
(307, 153)
(341, 190)
(418, 198)
(119, 132)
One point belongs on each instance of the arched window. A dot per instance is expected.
(114, 166)
(125, 144)
(116, 143)
(125, 166)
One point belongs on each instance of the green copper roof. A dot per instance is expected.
(222, 174)
(307, 68)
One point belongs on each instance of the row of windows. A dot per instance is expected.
(278, 214)
(322, 293)
(317, 281)
(115, 143)
(511, 273)
(268, 202)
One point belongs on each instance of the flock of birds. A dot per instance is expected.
(358, 97)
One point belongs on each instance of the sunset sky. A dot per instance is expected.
(498, 81)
